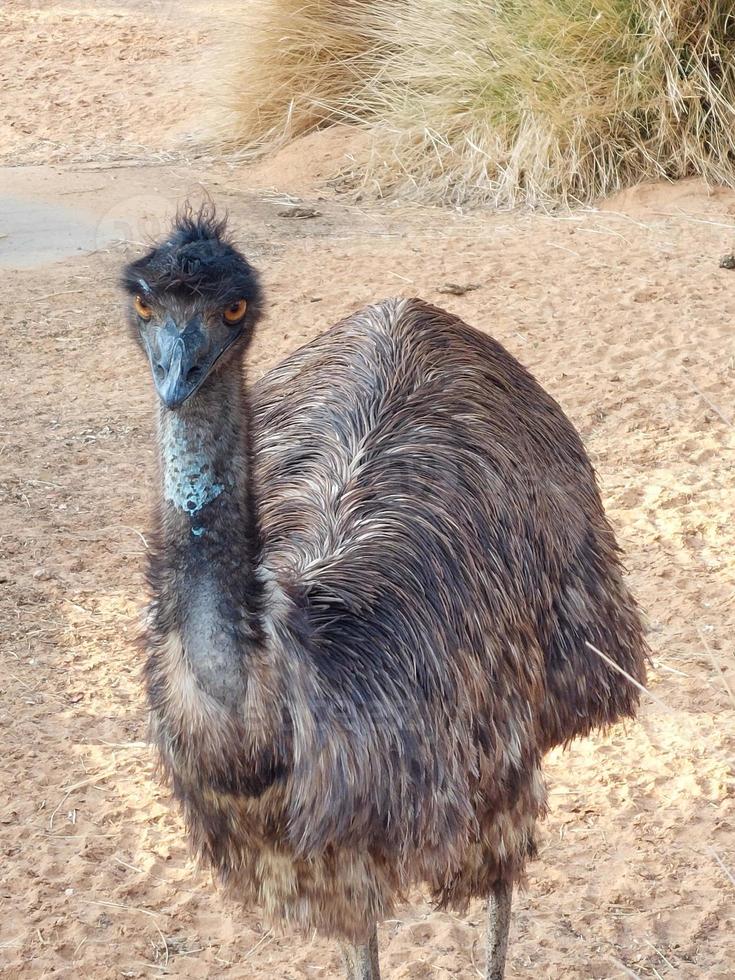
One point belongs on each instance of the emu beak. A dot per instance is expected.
(180, 361)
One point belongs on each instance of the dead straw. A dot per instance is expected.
(633, 681)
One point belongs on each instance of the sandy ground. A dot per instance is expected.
(623, 313)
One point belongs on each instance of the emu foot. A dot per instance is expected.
(361, 962)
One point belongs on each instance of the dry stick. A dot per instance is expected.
(633, 681)
(695, 386)
(722, 864)
(259, 943)
(132, 908)
(672, 670)
(697, 221)
(717, 667)
(121, 745)
(645, 690)
(619, 214)
(79, 785)
(114, 527)
(563, 248)
(83, 190)
(624, 968)
(656, 950)
(63, 292)
(474, 964)
(140, 871)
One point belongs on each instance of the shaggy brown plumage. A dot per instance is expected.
(371, 604)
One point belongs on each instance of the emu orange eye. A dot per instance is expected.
(235, 311)
(142, 309)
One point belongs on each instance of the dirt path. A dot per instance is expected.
(623, 314)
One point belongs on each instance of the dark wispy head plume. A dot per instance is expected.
(196, 259)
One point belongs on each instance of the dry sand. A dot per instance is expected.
(622, 313)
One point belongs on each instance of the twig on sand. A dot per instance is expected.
(628, 972)
(150, 874)
(722, 864)
(717, 666)
(63, 292)
(71, 789)
(658, 951)
(100, 533)
(726, 419)
(133, 908)
(672, 670)
(633, 681)
(681, 214)
(562, 248)
(478, 971)
(268, 935)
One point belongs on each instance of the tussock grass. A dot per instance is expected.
(498, 102)
(285, 67)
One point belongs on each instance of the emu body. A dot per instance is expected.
(375, 576)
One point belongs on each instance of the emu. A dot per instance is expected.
(376, 579)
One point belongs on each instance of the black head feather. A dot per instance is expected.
(197, 260)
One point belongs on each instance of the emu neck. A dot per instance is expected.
(206, 582)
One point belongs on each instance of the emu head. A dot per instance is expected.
(193, 301)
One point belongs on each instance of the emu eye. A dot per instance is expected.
(142, 308)
(235, 311)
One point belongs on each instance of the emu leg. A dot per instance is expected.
(362, 961)
(498, 924)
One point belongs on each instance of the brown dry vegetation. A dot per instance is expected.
(622, 313)
(472, 102)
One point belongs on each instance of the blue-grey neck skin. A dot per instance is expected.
(190, 483)
(206, 585)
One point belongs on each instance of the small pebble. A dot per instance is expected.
(455, 289)
(299, 213)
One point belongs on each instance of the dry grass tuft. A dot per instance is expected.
(285, 67)
(496, 102)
